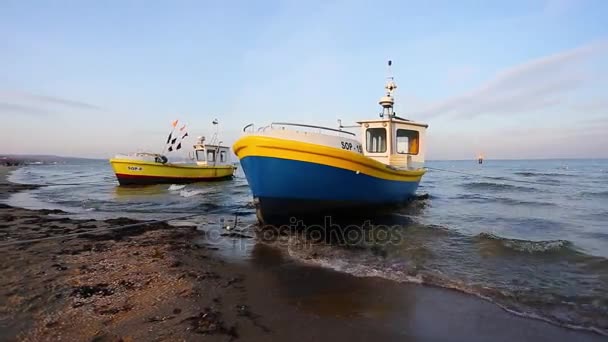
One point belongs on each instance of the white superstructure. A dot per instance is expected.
(210, 154)
(391, 140)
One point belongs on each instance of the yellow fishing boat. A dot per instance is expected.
(208, 162)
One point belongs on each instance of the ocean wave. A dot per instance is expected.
(548, 181)
(526, 174)
(190, 193)
(175, 187)
(209, 207)
(514, 201)
(595, 194)
(528, 246)
(497, 178)
(554, 309)
(472, 197)
(495, 186)
(570, 312)
(328, 257)
(598, 235)
(539, 174)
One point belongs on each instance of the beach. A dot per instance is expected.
(160, 282)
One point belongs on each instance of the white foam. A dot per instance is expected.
(359, 268)
(190, 193)
(175, 187)
(534, 246)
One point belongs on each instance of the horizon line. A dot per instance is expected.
(428, 160)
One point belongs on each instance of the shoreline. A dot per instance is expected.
(117, 285)
(165, 283)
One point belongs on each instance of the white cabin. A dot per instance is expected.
(392, 140)
(210, 154)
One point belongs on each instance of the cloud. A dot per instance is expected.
(527, 87)
(64, 102)
(23, 103)
(460, 74)
(585, 139)
(593, 124)
(597, 106)
(12, 108)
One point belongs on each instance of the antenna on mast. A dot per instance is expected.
(215, 136)
(387, 101)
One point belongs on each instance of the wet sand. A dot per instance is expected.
(161, 283)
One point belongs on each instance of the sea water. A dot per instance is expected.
(528, 235)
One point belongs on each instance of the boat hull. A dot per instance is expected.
(290, 178)
(132, 172)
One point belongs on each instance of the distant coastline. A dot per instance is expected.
(25, 159)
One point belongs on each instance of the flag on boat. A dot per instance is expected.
(174, 123)
(173, 139)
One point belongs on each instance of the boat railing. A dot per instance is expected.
(311, 126)
(251, 129)
(249, 126)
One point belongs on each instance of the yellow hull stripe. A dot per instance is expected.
(152, 169)
(263, 146)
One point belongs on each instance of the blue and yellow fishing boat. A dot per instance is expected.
(296, 169)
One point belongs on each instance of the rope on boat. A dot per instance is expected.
(103, 229)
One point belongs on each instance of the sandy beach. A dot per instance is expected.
(161, 283)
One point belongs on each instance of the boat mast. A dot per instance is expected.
(387, 101)
(216, 139)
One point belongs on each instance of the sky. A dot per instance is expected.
(509, 79)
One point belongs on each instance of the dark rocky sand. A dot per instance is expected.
(161, 283)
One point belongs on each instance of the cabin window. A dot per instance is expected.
(210, 156)
(222, 156)
(200, 155)
(408, 142)
(375, 140)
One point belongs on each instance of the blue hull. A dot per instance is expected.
(283, 186)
